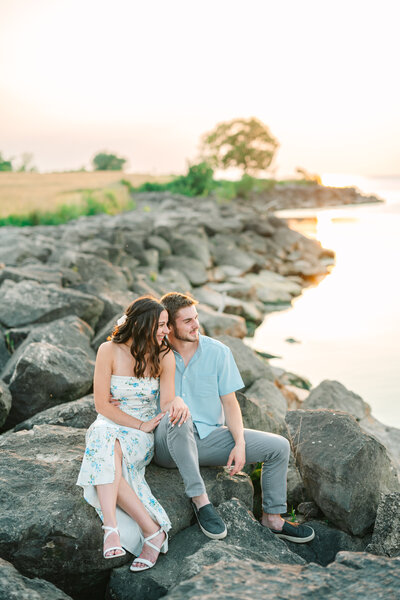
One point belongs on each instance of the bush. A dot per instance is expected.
(108, 162)
(198, 181)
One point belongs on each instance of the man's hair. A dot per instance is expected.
(174, 301)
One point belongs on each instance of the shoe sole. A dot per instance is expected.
(214, 536)
(296, 540)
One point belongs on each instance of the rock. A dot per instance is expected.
(352, 576)
(327, 543)
(18, 245)
(70, 332)
(272, 288)
(191, 552)
(46, 303)
(171, 279)
(4, 352)
(296, 492)
(386, 435)
(226, 252)
(5, 402)
(192, 268)
(193, 245)
(386, 534)
(265, 407)
(104, 333)
(78, 413)
(332, 394)
(160, 244)
(50, 531)
(217, 323)
(251, 367)
(238, 287)
(343, 469)
(15, 585)
(309, 509)
(224, 303)
(40, 273)
(64, 374)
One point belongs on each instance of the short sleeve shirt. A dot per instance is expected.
(210, 373)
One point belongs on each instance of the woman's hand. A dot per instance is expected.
(149, 426)
(178, 411)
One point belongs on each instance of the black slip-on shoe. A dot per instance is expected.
(210, 522)
(295, 533)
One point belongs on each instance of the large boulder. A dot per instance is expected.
(30, 302)
(226, 252)
(5, 402)
(191, 552)
(386, 534)
(272, 288)
(192, 268)
(13, 585)
(191, 245)
(264, 407)
(40, 273)
(78, 413)
(386, 435)
(332, 394)
(69, 332)
(46, 375)
(217, 323)
(251, 367)
(46, 527)
(352, 576)
(343, 469)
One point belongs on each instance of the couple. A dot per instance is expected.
(144, 369)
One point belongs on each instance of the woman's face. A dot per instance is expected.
(163, 328)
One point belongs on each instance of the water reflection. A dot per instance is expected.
(349, 324)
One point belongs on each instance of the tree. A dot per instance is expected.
(108, 162)
(246, 144)
(5, 165)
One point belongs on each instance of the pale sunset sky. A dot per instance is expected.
(146, 79)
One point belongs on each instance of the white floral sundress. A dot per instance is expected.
(139, 399)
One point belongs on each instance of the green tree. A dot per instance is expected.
(246, 144)
(5, 165)
(108, 162)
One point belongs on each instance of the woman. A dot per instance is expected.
(137, 366)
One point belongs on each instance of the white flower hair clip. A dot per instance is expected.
(121, 320)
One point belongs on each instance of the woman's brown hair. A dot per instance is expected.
(141, 324)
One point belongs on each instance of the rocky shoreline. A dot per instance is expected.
(61, 291)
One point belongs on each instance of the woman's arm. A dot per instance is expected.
(178, 410)
(101, 386)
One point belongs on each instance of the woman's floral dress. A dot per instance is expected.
(139, 399)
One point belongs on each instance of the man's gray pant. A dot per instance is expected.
(182, 447)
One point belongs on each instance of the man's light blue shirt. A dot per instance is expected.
(210, 373)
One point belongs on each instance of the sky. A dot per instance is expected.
(147, 79)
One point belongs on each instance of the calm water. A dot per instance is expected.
(348, 326)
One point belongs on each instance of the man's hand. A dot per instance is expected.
(114, 401)
(238, 457)
(178, 411)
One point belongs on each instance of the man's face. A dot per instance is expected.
(186, 326)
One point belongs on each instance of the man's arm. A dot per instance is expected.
(234, 422)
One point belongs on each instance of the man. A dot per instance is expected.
(206, 380)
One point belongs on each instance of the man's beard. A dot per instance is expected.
(184, 337)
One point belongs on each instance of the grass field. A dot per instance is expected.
(22, 193)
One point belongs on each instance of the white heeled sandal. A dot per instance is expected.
(163, 549)
(109, 531)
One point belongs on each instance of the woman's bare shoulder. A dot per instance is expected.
(106, 349)
(167, 360)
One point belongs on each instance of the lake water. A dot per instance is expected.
(348, 326)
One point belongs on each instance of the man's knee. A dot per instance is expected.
(283, 447)
(181, 430)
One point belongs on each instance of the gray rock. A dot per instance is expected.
(94, 268)
(171, 279)
(191, 245)
(160, 244)
(332, 394)
(386, 435)
(251, 367)
(296, 492)
(386, 534)
(272, 288)
(217, 323)
(238, 287)
(14, 586)
(226, 252)
(192, 268)
(49, 531)
(78, 413)
(267, 406)
(4, 351)
(40, 273)
(343, 469)
(191, 552)
(103, 334)
(69, 332)
(64, 374)
(5, 402)
(46, 303)
(18, 245)
(224, 303)
(351, 577)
